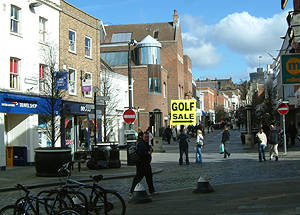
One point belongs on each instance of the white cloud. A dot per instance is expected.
(241, 33)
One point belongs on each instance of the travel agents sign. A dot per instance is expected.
(290, 67)
(183, 112)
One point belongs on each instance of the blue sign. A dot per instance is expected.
(61, 80)
(18, 103)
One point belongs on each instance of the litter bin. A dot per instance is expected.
(19, 155)
(104, 156)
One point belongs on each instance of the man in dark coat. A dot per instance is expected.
(183, 139)
(168, 133)
(143, 167)
(292, 132)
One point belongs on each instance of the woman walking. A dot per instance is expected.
(225, 141)
(199, 145)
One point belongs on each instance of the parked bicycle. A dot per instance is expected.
(30, 205)
(98, 200)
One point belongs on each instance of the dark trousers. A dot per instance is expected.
(169, 140)
(184, 150)
(143, 170)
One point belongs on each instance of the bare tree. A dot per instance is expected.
(49, 88)
(110, 106)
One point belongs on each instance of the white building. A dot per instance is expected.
(26, 27)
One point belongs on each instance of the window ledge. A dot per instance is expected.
(88, 57)
(16, 34)
(72, 52)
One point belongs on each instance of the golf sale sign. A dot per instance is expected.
(183, 112)
(290, 69)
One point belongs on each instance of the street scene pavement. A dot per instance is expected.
(242, 184)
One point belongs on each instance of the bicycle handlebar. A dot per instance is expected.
(21, 187)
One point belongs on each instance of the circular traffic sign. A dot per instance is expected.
(129, 116)
(283, 108)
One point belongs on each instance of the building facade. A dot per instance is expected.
(157, 64)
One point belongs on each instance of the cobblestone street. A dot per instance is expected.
(242, 166)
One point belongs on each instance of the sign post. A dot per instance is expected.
(283, 109)
(129, 116)
(183, 112)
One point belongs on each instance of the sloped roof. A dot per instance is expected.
(166, 32)
(149, 41)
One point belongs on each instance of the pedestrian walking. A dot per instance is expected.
(292, 132)
(262, 143)
(183, 146)
(225, 141)
(199, 145)
(174, 133)
(168, 133)
(143, 166)
(149, 131)
(273, 142)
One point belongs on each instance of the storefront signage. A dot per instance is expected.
(18, 103)
(183, 112)
(290, 69)
(61, 80)
(87, 83)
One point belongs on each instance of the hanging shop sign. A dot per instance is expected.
(290, 69)
(183, 112)
(61, 80)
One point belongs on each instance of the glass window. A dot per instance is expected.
(149, 55)
(15, 19)
(155, 34)
(43, 30)
(115, 58)
(72, 81)
(14, 73)
(72, 41)
(154, 78)
(121, 37)
(87, 84)
(165, 89)
(88, 51)
(42, 70)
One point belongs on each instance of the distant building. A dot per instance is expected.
(258, 76)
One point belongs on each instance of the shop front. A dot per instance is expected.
(77, 121)
(19, 122)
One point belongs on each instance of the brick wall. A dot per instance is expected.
(84, 25)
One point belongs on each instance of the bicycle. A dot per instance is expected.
(99, 201)
(25, 206)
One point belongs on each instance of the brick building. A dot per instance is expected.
(79, 54)
(158, 66)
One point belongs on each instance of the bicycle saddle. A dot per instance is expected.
(97, 178)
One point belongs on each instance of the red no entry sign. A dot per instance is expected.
(129, 116)
(283, 108)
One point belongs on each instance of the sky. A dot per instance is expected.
(224, 38)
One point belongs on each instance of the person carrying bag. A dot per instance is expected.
(199, 146)
(225, 140)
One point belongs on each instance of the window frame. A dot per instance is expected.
(15, 20)
(90, 47)
(43, 31)
(89, 94)
(74, 82)
(14, 76)
(69, 44)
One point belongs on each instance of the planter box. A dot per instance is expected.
(49, 160)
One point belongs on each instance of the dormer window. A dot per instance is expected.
(155, 34)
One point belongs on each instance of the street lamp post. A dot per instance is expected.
(130, 43)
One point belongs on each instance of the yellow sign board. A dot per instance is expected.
(183, 112)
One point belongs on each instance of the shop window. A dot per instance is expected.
(15, 19)
(14, 73)
(72, 81)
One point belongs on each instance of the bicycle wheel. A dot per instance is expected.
(55, 201)
(26, 205)
(114, 203)
(68, 212)
(11, 210)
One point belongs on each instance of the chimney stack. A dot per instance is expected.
(175, 19)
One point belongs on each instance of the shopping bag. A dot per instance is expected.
(221, 148)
